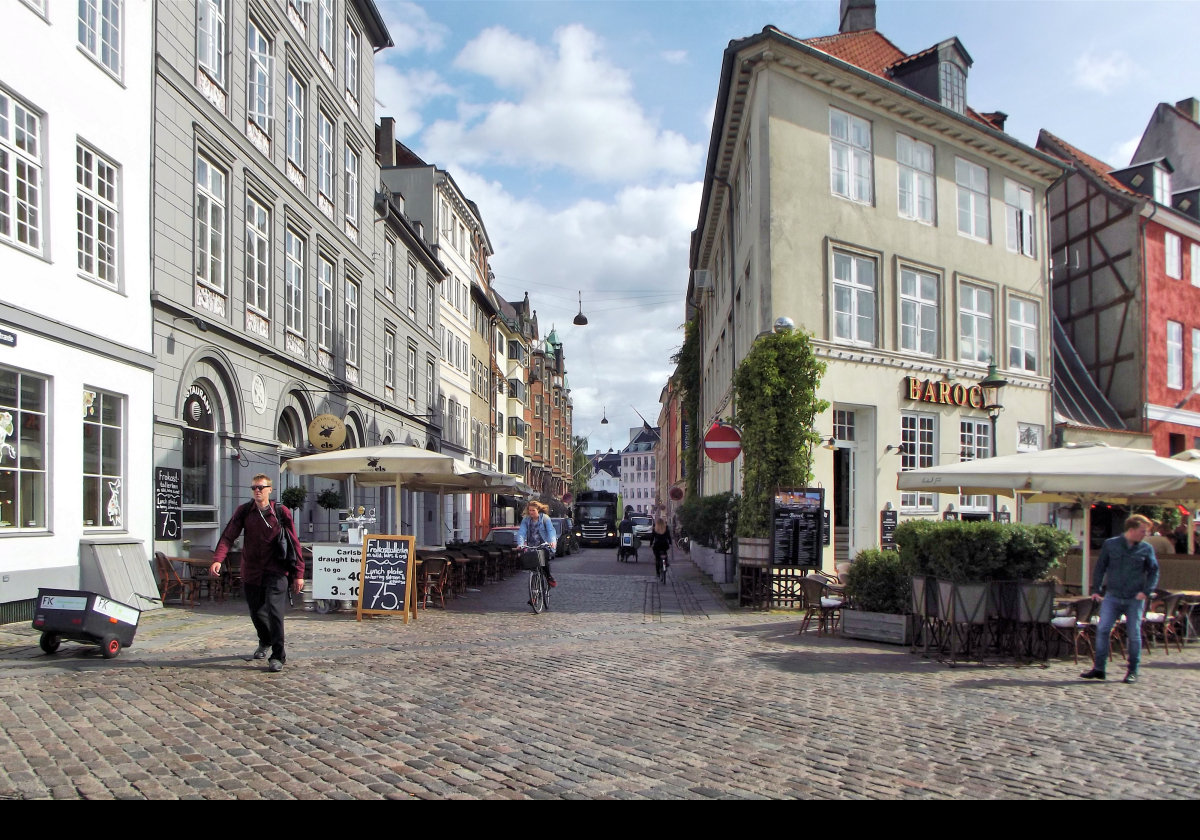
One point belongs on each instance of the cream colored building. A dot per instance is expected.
(851, 189)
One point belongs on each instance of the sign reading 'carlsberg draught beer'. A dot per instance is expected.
(944, 393)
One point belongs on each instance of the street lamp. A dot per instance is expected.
(991, 387)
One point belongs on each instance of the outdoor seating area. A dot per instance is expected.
(459, 567)
(1029, 620)
(187, 580)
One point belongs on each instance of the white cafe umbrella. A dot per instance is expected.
(389, 465)
(1085, 473)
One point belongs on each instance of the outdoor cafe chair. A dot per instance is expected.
(1077, 628)
(435, 580)
(821, 602)
(1165, 624)
(170, 581)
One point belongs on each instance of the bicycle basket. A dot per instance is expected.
(533, 558)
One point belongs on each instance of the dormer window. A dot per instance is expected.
(953, 87)
(1162, 186)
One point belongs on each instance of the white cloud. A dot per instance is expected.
(629, 258)
(572, 109)
(1104, 71)
(411, 28)
(1122, 153)
(675, 56)
(402, 94)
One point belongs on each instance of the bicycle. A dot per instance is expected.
(661, 564)
(533, 558)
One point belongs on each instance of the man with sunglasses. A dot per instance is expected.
(266, 570)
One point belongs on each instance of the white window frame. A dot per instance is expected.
(851, 294)
(1195, 250)
(412, 288)
(971, 183)
(412, 372)
(297, 95)
(351, 322)
(326, 271)
(1174, 355)
(1172, 255)
(1195, 358)
(326, 136)
(1024, 348)
(258, 256)
(1162, 186)
(294, 247)
(352, 47)
(430, 381)
(1018, 219)
(976, 348)
(851, 160)
(103, 459)
(918, 449)
(97, 216)
(27, 453)
(975, 443)
(429, 307)
(259, 70)
(211, 214)
(325, 29)
(953, 83)
(21, 174)
(100, 32)
(353, 167)
(210, 39)
(917, 196)
(919, 311)
(389, 267)
(389, 358)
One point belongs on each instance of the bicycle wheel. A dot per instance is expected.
(537, 598)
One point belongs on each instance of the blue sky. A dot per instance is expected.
(581, 131)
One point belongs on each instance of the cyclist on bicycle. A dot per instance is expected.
(537, 527)
(660, 544)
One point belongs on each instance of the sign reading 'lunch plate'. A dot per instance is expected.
(386, 575)
(722, 443)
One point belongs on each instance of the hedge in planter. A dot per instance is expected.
(880, 581)
(971, 551)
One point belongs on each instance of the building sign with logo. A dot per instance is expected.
(944, 393)
(327, 432)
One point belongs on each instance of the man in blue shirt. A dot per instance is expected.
(1128, 571)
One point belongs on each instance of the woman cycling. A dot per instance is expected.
(536, 527)
(660, 544)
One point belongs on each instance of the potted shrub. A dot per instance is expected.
(293, 497)
(330, 499)
(878, 586)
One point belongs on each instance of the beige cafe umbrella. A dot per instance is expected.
(379, 466)
(1085, 473)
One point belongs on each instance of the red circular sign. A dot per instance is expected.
(676, 494)
(568, 498)
(722, 443)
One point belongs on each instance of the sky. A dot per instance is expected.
(581, 129)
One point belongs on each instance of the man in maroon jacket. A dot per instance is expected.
(266, 572)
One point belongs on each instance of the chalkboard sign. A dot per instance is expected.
(386, 577)
(797, 527)
(168, 507)
(887, 528)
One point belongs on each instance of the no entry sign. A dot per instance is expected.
(722, 443)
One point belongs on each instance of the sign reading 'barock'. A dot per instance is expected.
(944, 393)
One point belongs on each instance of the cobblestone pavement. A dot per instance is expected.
(625, 689)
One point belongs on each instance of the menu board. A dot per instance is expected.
(797, 527)
(168, 503)
(887, 528)
(386, 575)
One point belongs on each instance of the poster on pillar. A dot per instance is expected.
(797, 527)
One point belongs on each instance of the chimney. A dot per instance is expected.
(857, 15)
(385, 142)
(1190, 107)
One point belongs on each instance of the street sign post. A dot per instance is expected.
(722, 443)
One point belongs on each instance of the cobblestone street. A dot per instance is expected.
(622, 690)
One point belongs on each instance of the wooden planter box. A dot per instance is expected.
(877, 627)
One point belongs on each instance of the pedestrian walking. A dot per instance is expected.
(1127, 571)
(272, 562)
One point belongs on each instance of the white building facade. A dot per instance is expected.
(76, 365)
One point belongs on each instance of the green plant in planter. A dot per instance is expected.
(294, 497)
(975, 551)
(879, 581)
(710, 520)
(775, 389)
(331, 500)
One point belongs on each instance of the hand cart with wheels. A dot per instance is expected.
(84, 617)
(628, 549)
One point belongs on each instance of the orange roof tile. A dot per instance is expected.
(866, 49)
(1062, 149)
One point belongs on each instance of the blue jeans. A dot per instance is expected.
(1111, 609)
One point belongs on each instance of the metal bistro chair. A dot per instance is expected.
(1165, 624)
(435, 580)
(820, 601)
(169, 581)
(1077, 627)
